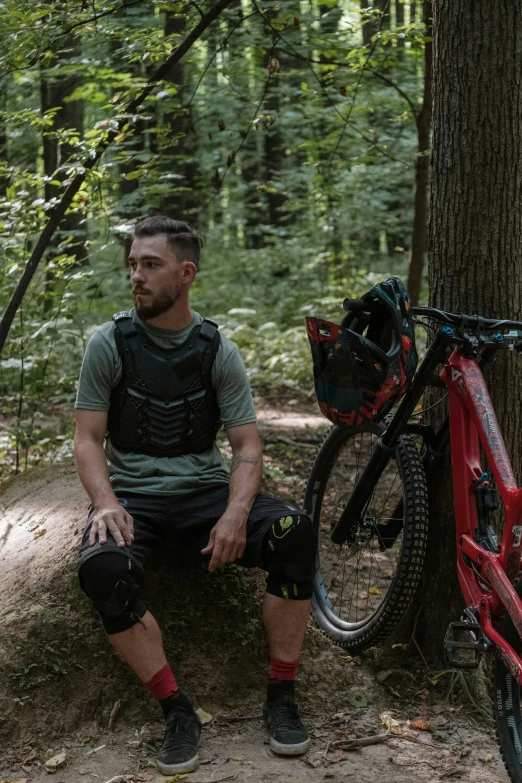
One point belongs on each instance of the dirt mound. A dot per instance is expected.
(53, 650)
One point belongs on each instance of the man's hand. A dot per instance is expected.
(227, 539)
(117, 521)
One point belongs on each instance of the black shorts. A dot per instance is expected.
(188, 519)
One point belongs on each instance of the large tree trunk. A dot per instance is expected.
(475, 234)
(55, 88)
(4, 159)
(180, 153)
(376, 21)
(419, 240)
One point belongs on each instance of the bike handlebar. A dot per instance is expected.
(455, 319)
(471, 321)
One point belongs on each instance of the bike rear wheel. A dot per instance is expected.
(507, 698)
(362, 588)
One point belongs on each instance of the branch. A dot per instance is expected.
(327, 61)
(96, 17)
(354, 96)
(33, 61)
(396, 87)
(59, 210)
(346, 120)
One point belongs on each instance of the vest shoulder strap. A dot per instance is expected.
(125, 323)
(208, 329)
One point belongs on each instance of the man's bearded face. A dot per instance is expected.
(149, 305)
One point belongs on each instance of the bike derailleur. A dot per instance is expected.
(465, 642)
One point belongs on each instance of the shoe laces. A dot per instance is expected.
(178, 719)
(287, 712)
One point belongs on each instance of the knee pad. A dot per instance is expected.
(291, 549)
(108, 578)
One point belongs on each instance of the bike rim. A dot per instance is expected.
(353, 580)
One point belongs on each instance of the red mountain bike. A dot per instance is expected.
(367, 488)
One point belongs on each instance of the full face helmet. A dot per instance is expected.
(363, 366)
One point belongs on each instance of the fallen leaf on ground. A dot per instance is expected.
(40, 533)
(487, 758)
(56, 761)
(175, 778)
(387, 721)
(49, 753)
(357, 700)
(335, 756)
(30, 756)
(12, 780)
(204, 717)
(313, 762)
(422, 724)
(450, 772)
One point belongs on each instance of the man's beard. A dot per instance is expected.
(151, 307)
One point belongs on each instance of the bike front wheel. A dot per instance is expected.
(363, 587)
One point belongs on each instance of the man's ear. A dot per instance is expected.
(190, 271)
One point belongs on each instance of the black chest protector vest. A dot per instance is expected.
(164, 404)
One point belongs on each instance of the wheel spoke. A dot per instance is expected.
(355, 578)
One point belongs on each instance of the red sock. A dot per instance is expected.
(283, 670)
(163, 685)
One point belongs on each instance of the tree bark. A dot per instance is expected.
(377, 21)
(180, 152)
(419, 240)
(475, 236)
(4, 158)
(329, 24)
(55, 89)
(274, 141)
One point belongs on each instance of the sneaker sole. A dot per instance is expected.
(289, 750)
(185, 766)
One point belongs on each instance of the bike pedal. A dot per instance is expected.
(464, 644)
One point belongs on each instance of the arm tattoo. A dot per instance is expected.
(239, 460)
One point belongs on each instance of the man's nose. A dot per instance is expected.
(137, 274)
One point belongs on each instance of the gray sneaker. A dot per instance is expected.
(288, 736)
(179, 752)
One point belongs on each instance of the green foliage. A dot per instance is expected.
(300, 174)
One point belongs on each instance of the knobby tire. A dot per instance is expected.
(507, 698)
(383, 593)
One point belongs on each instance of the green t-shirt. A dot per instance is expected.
(134, 472)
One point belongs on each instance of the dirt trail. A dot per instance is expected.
(236, 751)
(66, 680)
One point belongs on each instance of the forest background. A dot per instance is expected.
(294, 135)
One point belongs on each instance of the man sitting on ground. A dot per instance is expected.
(156, 384)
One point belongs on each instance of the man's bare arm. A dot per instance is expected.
(93, 471)
(246, 469)
(228, 536)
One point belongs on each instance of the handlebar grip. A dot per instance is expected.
(356, 305)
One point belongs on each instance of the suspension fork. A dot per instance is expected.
(387, 443)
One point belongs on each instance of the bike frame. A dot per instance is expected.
(486, 578)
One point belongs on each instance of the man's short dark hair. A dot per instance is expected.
(185, 240)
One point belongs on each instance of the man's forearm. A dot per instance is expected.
(93, 471)
(245, 478)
